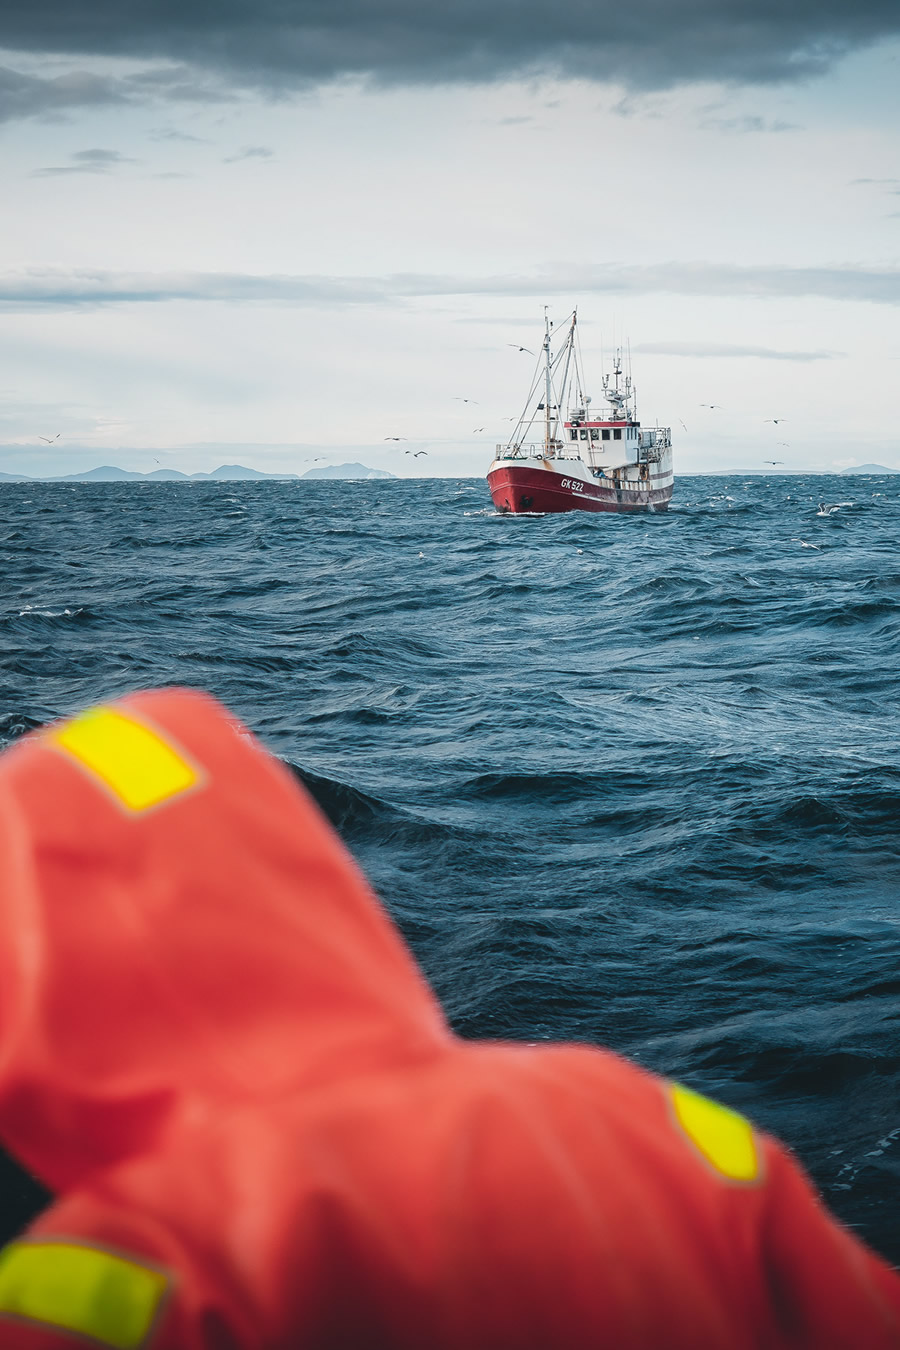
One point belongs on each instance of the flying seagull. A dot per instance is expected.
(805, 544)
(395, 438)
(710, 405)
(520, 349)
(776, 420)
(474, 429)
(50, 439)
(458, 399)
(774, 461)
(419, 452)
(685, 428)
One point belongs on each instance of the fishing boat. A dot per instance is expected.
(587, 460)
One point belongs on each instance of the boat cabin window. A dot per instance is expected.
(595, 434)
(617, 434)
(573, 435)
(583, 434)
(606, 435)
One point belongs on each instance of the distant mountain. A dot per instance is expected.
(237, 471)
(108, 473)
(870, 469)
(347, 471)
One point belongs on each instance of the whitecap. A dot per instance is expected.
(30, 612)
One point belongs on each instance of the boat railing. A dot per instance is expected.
(646, 452)
(655, 438)
(533, 450)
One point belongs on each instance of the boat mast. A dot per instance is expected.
(618, 398)
(547, 386)
(570, 347)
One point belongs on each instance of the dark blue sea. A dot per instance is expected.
(627, 780)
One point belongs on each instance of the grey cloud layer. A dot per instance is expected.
(56, 289)
(722, 351)
(284, 43)
(86, 161)
(28, 95)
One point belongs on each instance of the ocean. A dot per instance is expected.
(629, 780)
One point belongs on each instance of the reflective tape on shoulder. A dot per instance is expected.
(131, 760)
(722, 1136)
(81, 1289)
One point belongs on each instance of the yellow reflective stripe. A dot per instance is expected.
(723, 1137)
(81, 1289)
(134, 762)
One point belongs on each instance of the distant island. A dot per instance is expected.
(108, 473)
(870, 469)
(347, 471)
(782, 471)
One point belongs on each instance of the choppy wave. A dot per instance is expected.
(632, 780)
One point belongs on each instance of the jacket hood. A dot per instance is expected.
(179, 924)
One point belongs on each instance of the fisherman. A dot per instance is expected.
(261, 1134)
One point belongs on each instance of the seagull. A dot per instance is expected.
(395, 438)
(827, 510)
(474, 429)
(419, 452)
(805, 544)
(774, 461)
(50, 439)
(520, 349)
(710, 405)
(685, 428)
(458, 399)
(776, 420)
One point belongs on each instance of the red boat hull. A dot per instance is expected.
(518, 489)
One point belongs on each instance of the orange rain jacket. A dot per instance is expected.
(217, 1051)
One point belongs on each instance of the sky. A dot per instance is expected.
(285, 231)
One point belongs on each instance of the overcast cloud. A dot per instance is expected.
(717, 351)
(52, 289)
(326, 221)
(281, 44)
(87, 161)
(24, 95)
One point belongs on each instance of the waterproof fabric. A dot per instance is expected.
(217, 1051)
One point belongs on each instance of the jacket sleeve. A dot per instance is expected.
(87, 1273)
(824, 1286)
(639, 1232)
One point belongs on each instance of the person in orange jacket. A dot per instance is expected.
(217, 1052)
